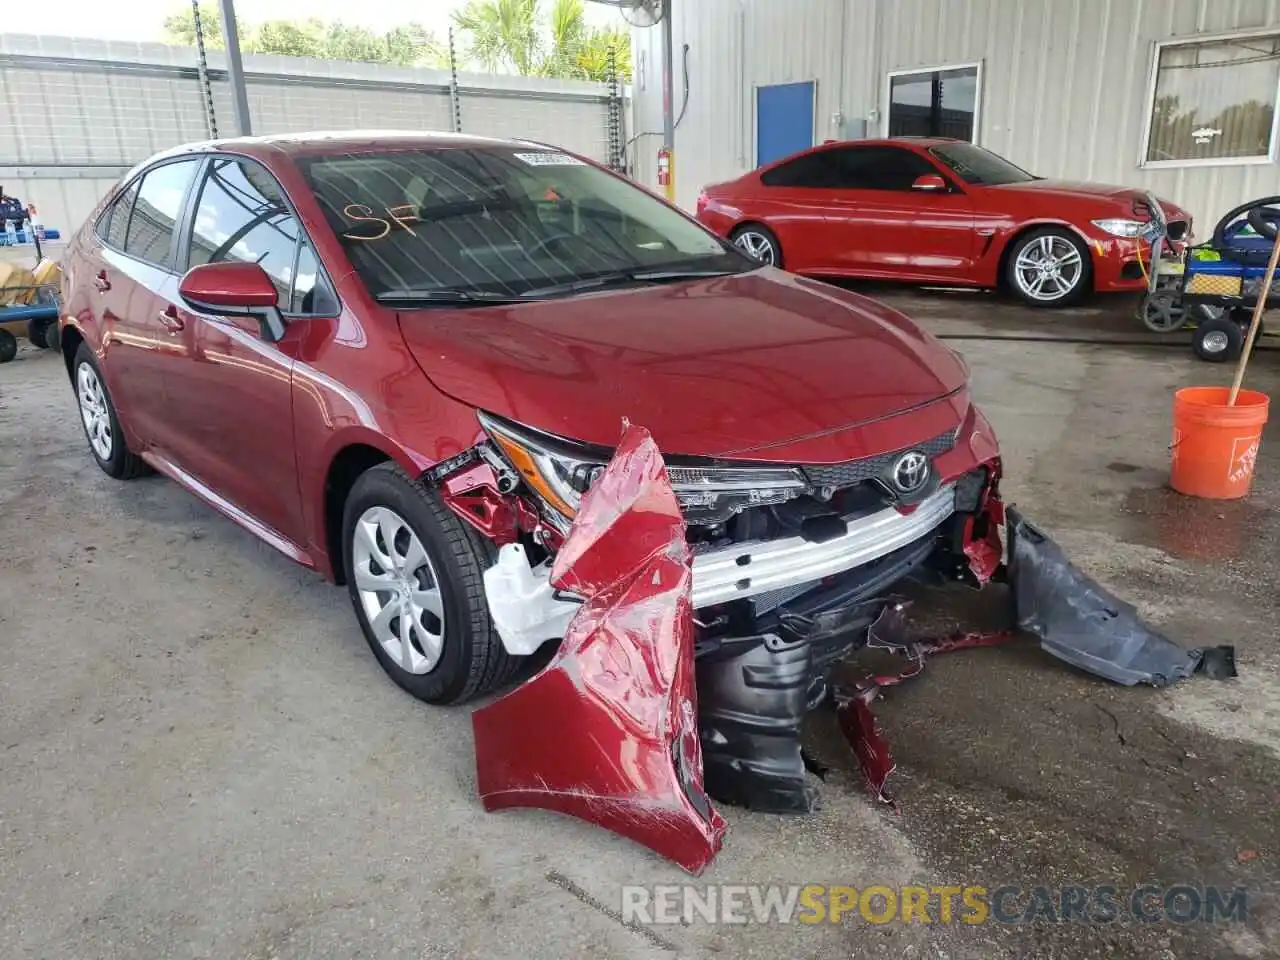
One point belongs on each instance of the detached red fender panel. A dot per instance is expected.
(608, 731)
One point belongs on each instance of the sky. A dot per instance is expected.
(104, 20)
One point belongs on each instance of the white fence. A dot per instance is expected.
(75, 114)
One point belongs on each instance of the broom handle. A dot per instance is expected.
(1258, 309)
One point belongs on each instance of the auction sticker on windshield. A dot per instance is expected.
(546, 159)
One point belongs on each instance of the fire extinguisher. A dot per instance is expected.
(666, 172)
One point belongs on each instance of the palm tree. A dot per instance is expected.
(514, 35)
(501, 33)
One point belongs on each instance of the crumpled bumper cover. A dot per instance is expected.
(608, 731)
(1080, 622)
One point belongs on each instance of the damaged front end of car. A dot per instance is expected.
(788, 567)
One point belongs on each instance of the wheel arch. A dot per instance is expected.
(69, 339)
(350, 455)
(1022, 229)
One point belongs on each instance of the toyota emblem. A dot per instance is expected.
(910, 472)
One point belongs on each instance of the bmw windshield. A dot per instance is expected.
(481, 225)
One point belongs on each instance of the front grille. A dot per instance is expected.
(1176, 230)
(855, 471)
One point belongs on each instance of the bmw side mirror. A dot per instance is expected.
(235, 290)
(929, 183)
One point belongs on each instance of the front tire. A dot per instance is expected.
(758, 242)
(415, 575)
(101, 425)
(1049, 267)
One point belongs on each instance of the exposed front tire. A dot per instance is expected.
(1218, 340)
(1049, 267)
(415, 575)
(758, 242)
(101, 425)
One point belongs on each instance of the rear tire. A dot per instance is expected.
(101, 425)
(43, 333)
(759, 243)
(8, 346)
(452, 652)
(1218, 340)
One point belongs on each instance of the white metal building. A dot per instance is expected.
(1176, 95)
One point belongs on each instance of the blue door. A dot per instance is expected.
(784, 120)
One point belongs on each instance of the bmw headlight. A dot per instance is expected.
(1120, 227)
(560, 471)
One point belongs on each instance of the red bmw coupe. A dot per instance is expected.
(940, 212)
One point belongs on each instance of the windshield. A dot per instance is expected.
(490, 222)
(979, 167)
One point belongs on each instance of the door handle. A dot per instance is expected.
(101, 282)
(170, 319)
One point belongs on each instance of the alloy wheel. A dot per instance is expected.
(757, 245)
(1049, 268)
(399, 590)
(93, 411)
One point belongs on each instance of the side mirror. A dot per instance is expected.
(929, 183)
(236, 290)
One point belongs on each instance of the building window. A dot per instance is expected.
(1214, 101)
(934, 103)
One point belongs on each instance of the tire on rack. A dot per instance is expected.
(415, 575)
(1218, 340)
(1049, 267)
(758, 242)
(98, 417)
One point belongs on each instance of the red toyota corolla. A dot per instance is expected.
(402, 360)
(941, 212)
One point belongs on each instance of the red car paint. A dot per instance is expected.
(762, 366)
(958, 237)
(608, 731)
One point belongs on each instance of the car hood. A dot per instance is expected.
(714, 367)
(1077, 190)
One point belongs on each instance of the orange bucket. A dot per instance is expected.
(1214, 445)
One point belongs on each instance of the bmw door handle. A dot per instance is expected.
(170, 319)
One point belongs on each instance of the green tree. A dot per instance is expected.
(180, 28)
(516, 35)
(407, 45)
(501, 33)
(289, 38)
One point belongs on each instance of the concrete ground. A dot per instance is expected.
(199, 757)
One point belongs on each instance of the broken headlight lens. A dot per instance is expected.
(560, 471)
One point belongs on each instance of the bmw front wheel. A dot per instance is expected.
(1049, 268)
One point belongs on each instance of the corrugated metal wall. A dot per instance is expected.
(1064, 83)
(75, 114)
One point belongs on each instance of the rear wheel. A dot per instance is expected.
(43, 333)
(1218, 340)
(8, 346)
(758, 242)
(101, 425)
(415, 575)
(1049, 267)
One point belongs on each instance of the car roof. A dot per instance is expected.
(342, 141)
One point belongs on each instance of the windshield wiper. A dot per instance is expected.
(622, 278)
(447, 295)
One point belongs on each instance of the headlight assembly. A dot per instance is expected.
(1120, 227)
(560, 471)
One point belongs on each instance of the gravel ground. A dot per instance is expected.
(201, 758)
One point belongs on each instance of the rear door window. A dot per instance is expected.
(156, 210)
(241, 216)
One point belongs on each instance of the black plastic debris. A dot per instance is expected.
(1081, 623)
